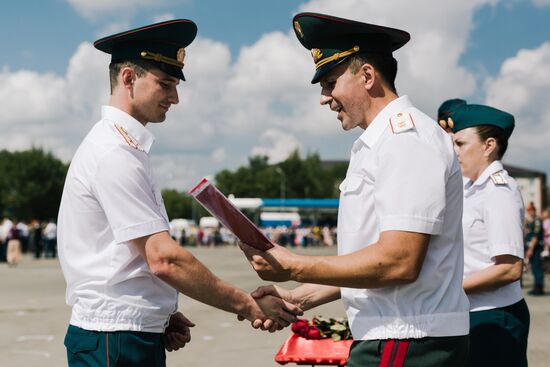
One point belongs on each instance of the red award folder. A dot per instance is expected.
(220, 207)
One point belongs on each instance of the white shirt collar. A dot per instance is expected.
(134, 128)
(373, 132)
(494, 167)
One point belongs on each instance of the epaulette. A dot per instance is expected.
(401, 122)
(498, 178)
(127, 138)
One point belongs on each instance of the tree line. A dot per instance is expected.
(295, 177)
(32, 182)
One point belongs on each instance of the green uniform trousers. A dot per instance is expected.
(87, 348)
(498, 337)
(449, 351)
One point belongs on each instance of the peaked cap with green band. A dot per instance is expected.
(444, 112)
(471, 115)
(332, 40)
(162, 44)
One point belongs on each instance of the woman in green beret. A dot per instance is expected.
(492, 222)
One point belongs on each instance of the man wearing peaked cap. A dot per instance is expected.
(444, 113)
(122, 268)
(400, 252)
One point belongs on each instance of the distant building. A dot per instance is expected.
(532, 185)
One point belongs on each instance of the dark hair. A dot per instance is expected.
(489, 131)
(386, 65)
(140, 67)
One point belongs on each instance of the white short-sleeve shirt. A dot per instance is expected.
(110, 198)
(403, 175)
(493, 226)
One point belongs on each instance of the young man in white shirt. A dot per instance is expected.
(123, 270)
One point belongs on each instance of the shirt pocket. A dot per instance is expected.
(351, 213)
(475, 235)
(352, 185)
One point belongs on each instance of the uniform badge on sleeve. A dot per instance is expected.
(401, 122)
(498, 178)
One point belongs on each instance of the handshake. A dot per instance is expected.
(276, 306)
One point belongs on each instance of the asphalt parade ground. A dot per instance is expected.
(34, 317)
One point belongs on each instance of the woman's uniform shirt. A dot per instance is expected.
(492, 223)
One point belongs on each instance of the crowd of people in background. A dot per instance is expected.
(292, 236)
(40, 238)
(537, 245)
(35, 237)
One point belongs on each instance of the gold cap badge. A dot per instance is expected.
(447, 124)
(298, 29)
(317, 54)
(180, 55)
(451, 123)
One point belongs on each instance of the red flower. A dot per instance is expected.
(300, 326)
(313, 333)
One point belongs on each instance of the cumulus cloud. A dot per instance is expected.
(93, 9)
(113, 28)
(51, 111)
(541, 3)
(522, 88)
(260, 100)
(276, 145)
(163, 17)
(429, 69)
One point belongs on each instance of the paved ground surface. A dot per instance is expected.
(33, 318)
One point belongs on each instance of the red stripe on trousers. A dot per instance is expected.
(401, 353)
(386, 354)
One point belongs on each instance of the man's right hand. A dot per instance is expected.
(276, 304)
(275, 291)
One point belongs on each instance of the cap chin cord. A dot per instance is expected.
(161, 58)
(336, 56)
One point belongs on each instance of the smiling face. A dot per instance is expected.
(473, 154)
(153, 94)
(345, 93)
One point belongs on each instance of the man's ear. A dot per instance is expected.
(369, 75)
(127, 77)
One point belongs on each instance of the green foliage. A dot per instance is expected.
(336, 329)
(181, 205)
(297, 177)
(31, 184)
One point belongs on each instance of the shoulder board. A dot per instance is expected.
(498, 178)
(401, 122)
(127, 138)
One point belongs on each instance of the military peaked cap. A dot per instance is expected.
(332, 40)
(162, 44)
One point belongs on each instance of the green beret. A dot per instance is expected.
(444, 112)
(471, 115)
(332, 40)
(162, 44)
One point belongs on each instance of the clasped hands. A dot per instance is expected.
(276, 303)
